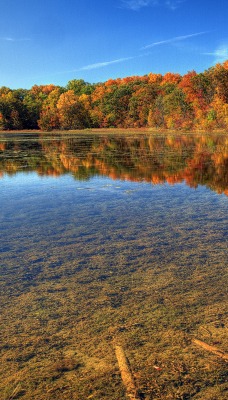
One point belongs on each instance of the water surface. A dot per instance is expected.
(113, 240)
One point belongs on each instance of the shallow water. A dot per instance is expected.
(113, 239)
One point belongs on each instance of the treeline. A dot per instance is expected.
(191, 101)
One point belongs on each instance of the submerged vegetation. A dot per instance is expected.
(192, 101)
(104, 263)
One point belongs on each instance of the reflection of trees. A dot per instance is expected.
(194, 159)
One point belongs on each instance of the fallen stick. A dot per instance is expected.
(212, 349)
(126, 374)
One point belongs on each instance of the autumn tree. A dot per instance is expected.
(72, 112)
(177, 111)
(49, 117)
(192, 101)
(219, 76)
(11, 110)
(140, 104)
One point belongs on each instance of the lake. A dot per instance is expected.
(113, 240)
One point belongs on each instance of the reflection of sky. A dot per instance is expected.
(29, 184)
(65, 195)
(59, 220)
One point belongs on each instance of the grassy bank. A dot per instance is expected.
(113, 131)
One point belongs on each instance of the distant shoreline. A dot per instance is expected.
(114, 131)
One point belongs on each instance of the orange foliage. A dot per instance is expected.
(192, 101)
(171, 78)
(186, 85)
(225, 64)
(154, 78)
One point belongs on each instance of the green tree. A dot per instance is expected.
(79, 87)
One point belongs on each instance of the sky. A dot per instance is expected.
(54, 41)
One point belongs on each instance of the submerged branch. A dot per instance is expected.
(126, 374)
(212, 349)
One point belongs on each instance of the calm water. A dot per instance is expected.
(109, 240)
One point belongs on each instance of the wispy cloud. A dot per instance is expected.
(172, 40)
(104, 64)
(174, 4)
(11, 39)
(220, 54)
(136, 5)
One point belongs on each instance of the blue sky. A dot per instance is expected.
(54, 41)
